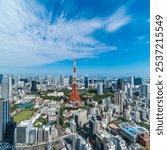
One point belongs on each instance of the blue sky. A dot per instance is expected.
(110, 37)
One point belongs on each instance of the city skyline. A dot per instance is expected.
(42, 117)
(110, 38)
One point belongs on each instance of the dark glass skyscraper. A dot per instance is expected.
(86, 81)
(4, 117)
(33, 86)
(9, 133)
(120, 84)
(1, 77)
(138, 81)
(70, 80)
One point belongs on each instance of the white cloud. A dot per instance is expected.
(118, 19)
(28, 39)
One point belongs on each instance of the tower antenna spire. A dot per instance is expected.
(74, 55)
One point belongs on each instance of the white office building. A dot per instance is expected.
(100, 88)
(23, 132)
(6, 87)
(80, 117)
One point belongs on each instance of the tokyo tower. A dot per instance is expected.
(74, 96)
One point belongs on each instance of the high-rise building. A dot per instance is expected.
(6, 87)
(61, 79)
(49, 77)
(100, 88)
(138, 81)
(86, 81)
(40, 135)
(1, 77)
(137, 116)
(82, 80)
(54, 133)
(32, 136)
(22, 132)
(65, 81)
(18, 80)
(109, 145)
(74, 96)
(4, 117)
(127, 114)
(131, 81)
(70, 80)
(1, 91)
(120, 144)
(145, 90)
(79, 143)
(80, 117)
(46, 133)
(10, 133)
(106, 102)
(129, 92)
(120, 84)
(119, 99)
(103, 141)
(24, 80)
(13, 81)
(10, 85)
(94, 126)
(143, 115)
(33, 86)
(72, 125)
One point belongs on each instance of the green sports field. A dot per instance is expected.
(23, 115)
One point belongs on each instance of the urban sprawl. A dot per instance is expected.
(35, 113)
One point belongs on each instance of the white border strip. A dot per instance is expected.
(158, 142)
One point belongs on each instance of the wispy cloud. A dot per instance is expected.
(117, 20)
(29, 38)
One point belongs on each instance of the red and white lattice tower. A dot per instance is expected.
(74, 96)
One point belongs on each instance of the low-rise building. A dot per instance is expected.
(130, 131)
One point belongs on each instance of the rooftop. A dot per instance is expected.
(80, 111)
(114, 126)
(103, 134)
(24, 123)
(132, 129)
